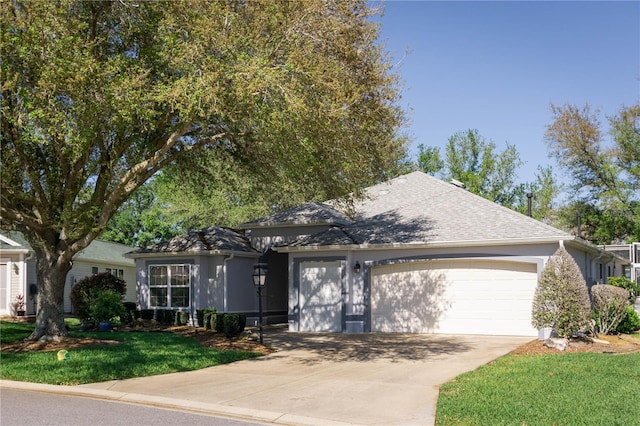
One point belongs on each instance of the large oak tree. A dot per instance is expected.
(98, 96)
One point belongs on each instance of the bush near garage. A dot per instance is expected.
(609, 307)
(561, 300)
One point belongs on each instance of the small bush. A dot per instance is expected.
(165, 316)
(130, 312)
(219, 323)
(147, 314)
(231, 325)
(181, 318)
(624, 282)
(561, 300)
(202, 321)
(210, 320)
(609, 307)
(105, 306)
(88, 287)
(630, 323)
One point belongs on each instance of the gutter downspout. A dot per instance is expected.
(224, 281)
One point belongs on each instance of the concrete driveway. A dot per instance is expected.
(322, 379)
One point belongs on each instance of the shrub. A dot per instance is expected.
(106, 305)
(231, 325)
(561, 300)
(130, 312)
(624, 282)
(181, 318)
(202, 318)
(88, 287)
(165, 316)
(147, 314)
(609, 307)
(630, 323)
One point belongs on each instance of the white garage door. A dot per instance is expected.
(454, 297)
(321, 296)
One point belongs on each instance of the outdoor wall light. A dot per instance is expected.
(259, 281)
(356, 267)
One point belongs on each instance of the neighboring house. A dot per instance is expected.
(18, 270)
(630, 252)
(420, 256)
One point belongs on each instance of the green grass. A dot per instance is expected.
(568, 389)
(139, 354)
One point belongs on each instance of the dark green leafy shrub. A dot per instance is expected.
(630, 323)
(181, 318)
(165, 316)
(219, 323)
(147, 314)
(202, 321)
(561, 300)
(210, 319)
(106, 306)
(623, 282)
(231, 325)
(130, 313)
(86, 288)
(609, 307)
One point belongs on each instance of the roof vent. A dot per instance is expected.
(457, 183)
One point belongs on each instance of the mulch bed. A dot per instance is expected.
(621, 344)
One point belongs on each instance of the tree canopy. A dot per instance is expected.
(605, 173)
(97, 97)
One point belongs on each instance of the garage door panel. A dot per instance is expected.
(467, 297)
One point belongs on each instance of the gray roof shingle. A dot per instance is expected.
(305, 214)
(417, 208)
(213, 238)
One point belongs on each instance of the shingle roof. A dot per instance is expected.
(305, 214)
(418, 208)
(98, 250)
(213, 238)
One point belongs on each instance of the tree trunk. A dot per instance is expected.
(50, 308)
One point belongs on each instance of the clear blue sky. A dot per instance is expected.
(497, 66)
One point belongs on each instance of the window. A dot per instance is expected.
(169, 286)
(94, 270)
(120, 274)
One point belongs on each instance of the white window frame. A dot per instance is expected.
(171, 278)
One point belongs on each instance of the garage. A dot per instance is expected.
(477, 296)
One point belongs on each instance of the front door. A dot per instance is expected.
(321, 304)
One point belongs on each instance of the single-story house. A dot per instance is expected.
(18, 270)
(416, 255)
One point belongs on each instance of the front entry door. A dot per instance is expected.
(321, 305)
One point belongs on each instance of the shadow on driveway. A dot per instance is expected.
(339, 347)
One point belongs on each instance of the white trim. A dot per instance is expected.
(9, 241)
(5, 309)
(155, 255)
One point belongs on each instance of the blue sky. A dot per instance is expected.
(497, 67)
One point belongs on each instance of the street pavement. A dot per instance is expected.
(316, 379)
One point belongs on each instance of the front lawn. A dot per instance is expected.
(562, 389)
(138, 354)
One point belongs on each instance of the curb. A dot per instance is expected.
(171, 403)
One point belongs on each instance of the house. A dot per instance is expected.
(421, 256)
(18, 270)
(417, 255)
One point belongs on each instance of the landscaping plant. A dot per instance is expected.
(609, 307)
(623, 282)
(630, 323)
(84, 290)
(561, 300)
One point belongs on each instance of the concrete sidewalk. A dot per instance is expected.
(317, 379)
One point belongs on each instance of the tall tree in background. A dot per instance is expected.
(474, 161)
(97, 97)
(605, 178)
